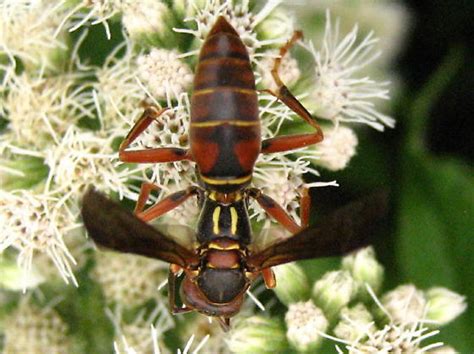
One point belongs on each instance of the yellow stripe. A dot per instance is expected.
(215, 246)
(233, 220)
(210, 90)
(215, 123)
(215, 220)
(221, 182)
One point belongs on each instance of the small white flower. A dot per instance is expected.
(289, 71)
(127, 279)
(334, 291)
(354, 323)
(144, 19)
(305, 322)
(82, 159)
(135, 337)
(164, 74)
(118, 92)
(337, 148)
(405, 304)
(32, 330)
(444, 305)
(240, 17)
(37, 223)
(27, 32)
(40, 109)
(338, 94)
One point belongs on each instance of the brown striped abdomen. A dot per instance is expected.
(225, 128)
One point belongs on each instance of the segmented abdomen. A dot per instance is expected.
(225, 128)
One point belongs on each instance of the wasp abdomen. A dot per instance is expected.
(225, 127)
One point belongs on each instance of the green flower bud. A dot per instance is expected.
(292, 284)
(444, 305)
(354, 323)
(333, 291)
(258, 334)
(277, 25)
(22, 173)
(305, 322)
(15, 278)
(365, 269)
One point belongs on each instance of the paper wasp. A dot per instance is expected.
(224, 143)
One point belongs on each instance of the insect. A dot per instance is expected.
(225, 141)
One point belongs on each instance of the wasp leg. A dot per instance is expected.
(305, 207)
(167, 204)
(269, 278)
(224, 323)
(149, 155)
(290, 142)
(175, 270)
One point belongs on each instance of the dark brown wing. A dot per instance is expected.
(112, 226)
(345, 230)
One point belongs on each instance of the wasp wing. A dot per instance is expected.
(112, 226)
(343, 231)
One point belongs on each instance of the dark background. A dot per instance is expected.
(438, 27)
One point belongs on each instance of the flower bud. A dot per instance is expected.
(444, 305)
(354, 323)
(365, 269)
(405, 304)
(258, 334)
(149, 22)
(15, 278)
(333, 291)
(304, 322)
(277, 25)
(292, 283)
(337, 148)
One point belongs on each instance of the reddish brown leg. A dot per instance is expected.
(165, 205)
(173, 274)
(145, 191)
(274, 210)
(269, 278)
(290, 142)
(150, 155)
(305, 207)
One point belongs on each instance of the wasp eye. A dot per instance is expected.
(221, 285)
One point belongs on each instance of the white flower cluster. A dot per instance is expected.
(338, 310)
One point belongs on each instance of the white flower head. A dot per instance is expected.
(305, 322)
(128, 280)
(405, 304)
(241, 17)
(289, 71)
(145, 19)
(37, 223)
(118, 90)
(164, 74)
(444, 305)
(337, 148)
(354, 323)
(338, 94)
(83, 159)
(27, 31)
(40, 109)
(135, 336)
(34, 330)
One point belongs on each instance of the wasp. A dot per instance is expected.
(225, 141)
